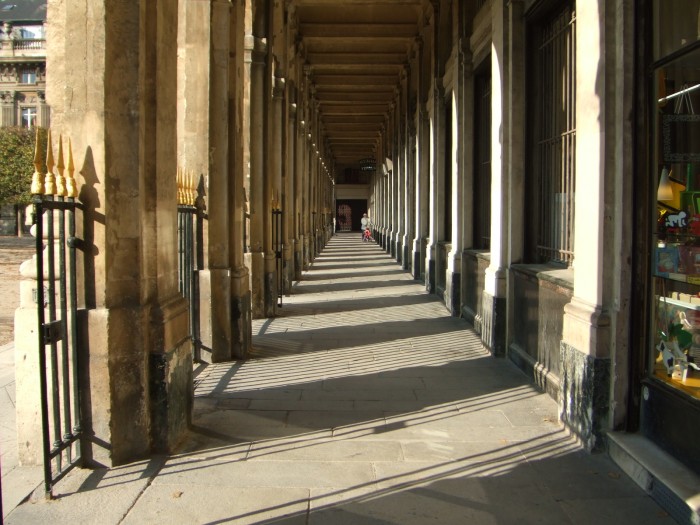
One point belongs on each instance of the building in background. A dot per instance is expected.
(23, 63)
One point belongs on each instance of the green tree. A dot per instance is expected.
(17, 163)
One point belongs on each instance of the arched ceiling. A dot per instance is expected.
(355, 51)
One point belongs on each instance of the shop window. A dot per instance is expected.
(552, 139)
(675, 356)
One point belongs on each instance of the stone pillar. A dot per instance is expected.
(216, 17)
(299, 176)
(258, 207)
(400, 149)
(493, 333)
(463, 172)
(436, 194)
(410, 166)
(436, 165)
(290, 200)
(596, 322)
(239, 154)
(113, 94)
(273, 188)
(422, 167)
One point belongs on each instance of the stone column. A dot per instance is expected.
(290, 200)
(400, 163)
(239, 154)
(493, 332)
(273, 188)
(113, 94)
(216, 17)
(422, 162)
(463, 173)
(435, 108)
(258, 207)
(299, 175)
(410, 167)
(596, 322)
(436, 194)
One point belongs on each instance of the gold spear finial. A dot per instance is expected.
(50, 182)
(180, 199)
(37, 177)
(191, 189)
(71, 187)
(60, 179)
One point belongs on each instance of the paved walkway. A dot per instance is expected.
(365, 403)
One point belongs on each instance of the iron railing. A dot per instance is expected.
(556, 142)
(57, 298)
(190, 218)
(278, 247)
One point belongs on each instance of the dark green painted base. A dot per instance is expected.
(241, 326)
(493, 324)
(585, 395)
(270, 294)
(453, 299)
(416, 266)
(171, 397)
(430, 284)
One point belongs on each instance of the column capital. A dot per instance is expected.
(8, 97)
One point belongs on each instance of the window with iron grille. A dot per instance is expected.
(552, 139)
(482, 158)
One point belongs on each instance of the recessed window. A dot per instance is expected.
(28, 117)
(28, 76)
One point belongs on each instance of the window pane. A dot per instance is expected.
(675, 25)
(28, 76)
(28, 117)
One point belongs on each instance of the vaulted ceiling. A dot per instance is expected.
(355, 51)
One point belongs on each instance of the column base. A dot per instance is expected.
(452, 293)
(298, 260)
(170, 382)
(406, 257)
(430, 283)
(493, 324)
(241, 326)
(585, 395)
(270, 294)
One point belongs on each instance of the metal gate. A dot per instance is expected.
(57, 305)
(190, 228)
(278, 247)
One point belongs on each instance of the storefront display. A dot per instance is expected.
(676, 263)
(675, 356)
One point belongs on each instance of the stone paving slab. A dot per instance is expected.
(99, 496)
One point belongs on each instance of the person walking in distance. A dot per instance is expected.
(364, 222)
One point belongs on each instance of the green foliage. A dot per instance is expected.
(17, 163)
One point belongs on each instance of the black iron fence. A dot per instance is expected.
(57, 306)
(190, 217)
(278, 247)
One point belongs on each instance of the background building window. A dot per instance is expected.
(552, 119)
(28, 117)
(28, 76)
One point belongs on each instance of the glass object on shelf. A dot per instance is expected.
(676, 359)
